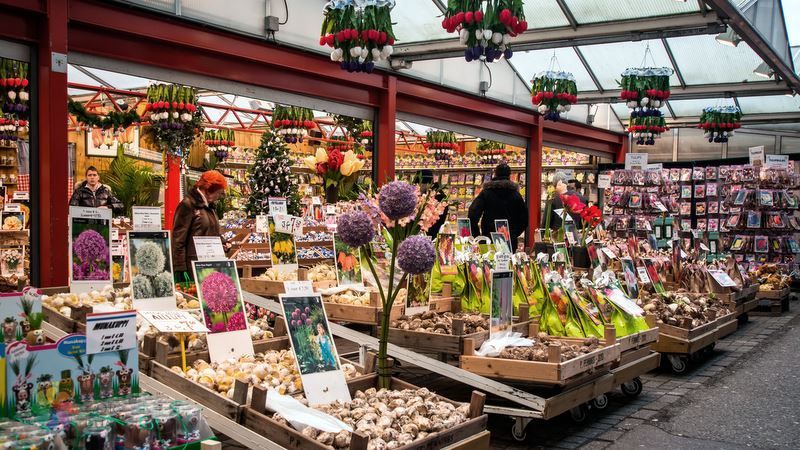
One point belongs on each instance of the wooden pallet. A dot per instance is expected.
(461, 437)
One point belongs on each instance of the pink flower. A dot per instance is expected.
(219, 292)
(308, 322)
(237, 322)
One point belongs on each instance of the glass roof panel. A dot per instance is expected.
(608, 61)
(594, 11)
(622, 111)
(76, 76)
(530, 63)
(769, 104)
(119, 80)
(693, 53)
(418, 20)
(544, 14)
(693, 108)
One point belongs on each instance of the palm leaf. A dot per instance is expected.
(132, 184)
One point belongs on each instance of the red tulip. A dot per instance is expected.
(478, 16)
(460, 17)
(505, 16)
(468, 17)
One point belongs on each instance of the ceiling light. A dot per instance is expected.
(729, 38)
(763, 70)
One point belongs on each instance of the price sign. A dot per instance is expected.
(13, 207)
(110, 331)
(277, 205)
(288, 224)
(643, 275)
(655, 166)
(502, 262)
(636, 161)
(114, 234)
(298, 288)
(209, 248)
(722, 278)
(21, 196)
(604, 181)
(262, 223)
(660, 206)
(117, 249)
(756, 155)
(146, 218)
(777, 161)
(174, 321)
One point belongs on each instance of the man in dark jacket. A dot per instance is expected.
(93, 194)
(499, 199)
(425, 179)
(195, 216)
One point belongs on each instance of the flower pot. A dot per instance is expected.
(332, 194)
(580, 257)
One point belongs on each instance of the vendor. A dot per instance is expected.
(195, 216)
(92, 193)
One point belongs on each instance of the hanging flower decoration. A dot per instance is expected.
(491, 152)
(441, 144)
(719, 122)
(486, 28)
(365, 134)
(645, 91)
(646, 129)
(114, 122)
(554, 93)
(220, 142)
(359, 35)
(14, 83)
(292, 122)
(340, 143)
(174, 115)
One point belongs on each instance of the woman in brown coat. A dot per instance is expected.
(195, 216)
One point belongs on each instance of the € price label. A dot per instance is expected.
(147, 218)
(174, 321)
(110, 331)
(277, 206)
(298, 288)
(209, 248)
(288, 224)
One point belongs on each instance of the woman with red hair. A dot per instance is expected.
(196, 216)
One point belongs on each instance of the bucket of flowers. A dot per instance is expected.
(442, 145)
(174, 116)
(718, 122)
(485, 27)
(292, 122)
(338, 170)
(220, 142)
(360, 35)
(14, 83)
(554, 93)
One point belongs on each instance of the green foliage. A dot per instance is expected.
(270, 176)
(131, 184)
(114, 120)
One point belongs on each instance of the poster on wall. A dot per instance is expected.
(12, 261)
(105, 143)
(152, 279)
(90, 249)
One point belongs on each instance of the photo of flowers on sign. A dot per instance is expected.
(502, 302)
(419, 293)
(282, 244)
(348, 264)
(90, 249)
(464, 228)
(501, 226)
(152, 280)
(446, 254)
(13, 220)
(12, 261)
(500, 243)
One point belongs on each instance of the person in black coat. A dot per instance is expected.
(499, 199)
(425, 180)
(93, 194)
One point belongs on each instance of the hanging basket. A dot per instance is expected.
(220, 143)
(359, 35)
(554, 93)
(719, 122)
(645, 90)
(485, 28)
(491, 152)
(174, 115)
(442, 145)
(292, 123)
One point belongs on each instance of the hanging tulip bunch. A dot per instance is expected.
(171, 106)
(554, 93)
(646, 129)
(365, 134)
(220, 142)
(441, 144)
(14, 84)
(292, 122)
(719, 122)
(491, 152)
(645, 91)
(340, 143)
(359, 35)
(485, 27)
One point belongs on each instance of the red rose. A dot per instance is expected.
(335, 159)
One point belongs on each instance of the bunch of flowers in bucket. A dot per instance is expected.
(646, 129)
(719, 122)
(554, 93)
(14, 84)
(441, 144)
(174, 116)
(292, 122)
(485, 27)
(220, 142)
(591, 216)
(365, 134)
(491, 152)
(359, 35)
(338, 170)
(400, 213)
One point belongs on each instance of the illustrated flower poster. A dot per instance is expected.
(152, 280)
(348, 264)
(223, 309)
(90, 249)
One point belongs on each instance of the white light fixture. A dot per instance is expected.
(729, 38)
(764, 70)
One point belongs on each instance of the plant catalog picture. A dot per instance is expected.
(151, 265)
(220, 295)
(310, 334)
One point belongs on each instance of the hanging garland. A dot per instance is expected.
(554, 93)
(220, 142)
(491, 152)
(485, 27)
(647, 129)
(441, 144)
(175, 117)
(117, 121)
(359, 35)
(292, 122)
(365, 133)
(720, 121)
(341, 143)
(15, 96)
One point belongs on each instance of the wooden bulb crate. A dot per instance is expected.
(366, 315)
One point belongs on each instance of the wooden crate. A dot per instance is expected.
(366, 315)
(258, 286)
(727, 328)
(638, 340)
(684, 333)
(777, 294)
(681, 344)
(302, 275)
(62, 322)
(459, 437)
(261, 263)
(553, 372)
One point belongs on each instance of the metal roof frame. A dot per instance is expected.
(699, 91)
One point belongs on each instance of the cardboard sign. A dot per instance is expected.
(111, 331)
(704, 247)
(90, 249)
(146, 218)
(177, 321)
(209, 248)
(298, 288)
(722, 278)
(277, 206)
(777, 161)
(636, 161)
(152, 278)
(21, 196)
(756, 155)
(603, 181)
(642, 272)
(502, 262)
(287, 224)
(609, 253)
(262, 223)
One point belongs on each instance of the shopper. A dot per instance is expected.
(93, 194)
(499, 199)
(426, 184)
(195, 216)
(562, 185)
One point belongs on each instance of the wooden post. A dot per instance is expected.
(455, 306)
(447, 290)
(651, 320)
(258, 402)
(247, 271)
(162, 352)
(458, 327)
(554, 353)
(524, 312)
(469, 347)
(610, 335)
(370, 362)
(358, 441)
(280, 327)
(374, 299)
(533, 329)
(211, 445)
(149, 345)
(476, 403)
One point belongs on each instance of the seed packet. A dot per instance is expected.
(686, 192)
(733, 221)
(765, 198)
(698, 174)
(638, 177)
(711, 173)
(738, 243)
(792, 244)
(713, 225)
(794, 223)
(753, 219)
(741, 197)
(713, 207)
(700, 208)
(776, 244)
(701, 224)
(674, 175)
(761, 244)
(700, 191)
(789, 200)
(686, 209)
(724, 172)
(686, 174)
(776, 220)
(711, 190)
(635, 200)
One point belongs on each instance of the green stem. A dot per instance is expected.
(384, 378)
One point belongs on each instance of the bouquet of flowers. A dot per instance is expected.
(174, 115)
(292, 122)
(441, 144)
(491, 151)
(554, 93)
(12, 257)
(15, 96)
(359, 35)
(646, 87)
(719, 122)
(591, 216)
(485, 27)
(220, 142)
(400, 213)
(338, 170)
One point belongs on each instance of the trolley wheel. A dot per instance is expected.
(632, 388)
(678, 364)
(579, 413)
(744, 318)
(600, 402)
(519, 430)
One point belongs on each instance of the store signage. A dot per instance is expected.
(110, 331)
(502, 261)
(704, 247)
(147, 218)
(756, 155)
(604, 181)
(722, 278)
(654, 166)
(209, 248)
(643, 277)
(777, 161)
(635, 161)
(277, 205)
(288, 224)
(174, 321)
(13, 207)
(298, 288)
(114, 234)
(262, 223)
(21, 196)
(117, 249)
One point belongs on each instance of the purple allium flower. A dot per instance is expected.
(219, 292)
(355, 228)
(218, 327)
(99, 275)
(308, 310)
(308, 322)
(294, 323)
(90, 246)
(398, 200)
(416, 255)
(236, 322)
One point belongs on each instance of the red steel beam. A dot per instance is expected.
(385, 141)
(533, 179)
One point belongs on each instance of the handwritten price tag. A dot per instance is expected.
(277, 206)
(288, 224)
(109, 332)
(298, 288)
(174, 321)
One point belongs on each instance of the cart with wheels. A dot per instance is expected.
(680, 346)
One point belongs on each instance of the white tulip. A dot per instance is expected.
(487, 34)
(657, 103)
(339, 54)
(376, 54)
(12, 95)
(364, 52)
(334, 58)
(24, 96)
(645, 101)
(506, 39)
(497, 38)
(463, 36)
(568, 107)
(174, 114)
(478, 34)
(484, 43)
(560, 108)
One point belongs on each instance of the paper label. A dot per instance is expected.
(660, 206)
(777, 161)
(722, 278)
(114, 234)
(704, 247)
(13, 207)
(654, 166)
(117, 249)
(609, 253)
(756, 155)
(174, 321)
(635, 161)
(277, 206)
(604, 181)
(209, 248)
(502, 262)
(110, 331)
(146, 218)
(288, 224)
(262, 223)
(642, 272)
(21, 196)
(298, 288)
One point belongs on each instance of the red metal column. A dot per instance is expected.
(172, 190)
(533, 179)
(53, 159)
(623, 149)
(387, 114)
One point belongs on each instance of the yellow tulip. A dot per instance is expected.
(347, 168)
(310, 162)
(322, 156)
